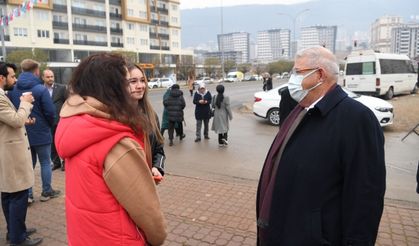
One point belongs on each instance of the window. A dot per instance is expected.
(143, 14)
(43, 34)
(20, 32)
(143, 28)
(174, 19)
(130, 12)
(78, 4)
(130, 26)
(360, 68)
(175, 32)
(130, 40)
(395, 66)
(174, 7)
(42, 15)
(116, 40)
(80, 21)
(81, 37)
(144, 42)
(175, 44)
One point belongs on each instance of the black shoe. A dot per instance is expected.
(197, 140)
(182, 137)
(206, 137)
(29, 242)
(29, 231)
(63, 166)
(45, 196)
(55, 167)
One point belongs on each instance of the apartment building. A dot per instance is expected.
(236, 41)
(405, 40)
(69, 30)
(381, 32)
(273, 45)
(318, 35)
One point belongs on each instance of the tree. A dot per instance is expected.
(210, 65)
(228, 65)
(258, 69)
(131, 56)
(38, 55)
(280, 67)
(245, 67)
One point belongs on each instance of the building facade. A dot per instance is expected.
(405, 40)
(318, 35)
(273, 45)
(381, 32)
(236, 41)
(69, 30)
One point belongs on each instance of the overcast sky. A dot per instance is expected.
(191, 4)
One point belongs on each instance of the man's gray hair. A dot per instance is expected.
(320, 56)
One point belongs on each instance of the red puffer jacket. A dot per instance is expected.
(94, 216)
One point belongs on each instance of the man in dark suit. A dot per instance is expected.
(286, 105)
(58, 94)
(323, 180)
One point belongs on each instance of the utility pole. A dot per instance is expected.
(294, 22)
(221, 41)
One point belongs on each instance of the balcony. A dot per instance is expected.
(163, 10)
(117, 45)
(87, 42)
(59, 8)
(154, 47)
(154, 22)
(164, 23)
(153, 35)
(61, 41)
(115, 16)
(6, 37)
(89, 28)
(164, 36)
(60, 25)
(88, 12)
(98, 1)
(115, 2)
(165, 48)
(116, 31)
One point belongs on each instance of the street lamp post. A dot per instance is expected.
(221, 41)
(294, 22)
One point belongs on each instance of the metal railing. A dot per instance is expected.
(89, 28)
(88, 12)
(61, 41)
(87, 42)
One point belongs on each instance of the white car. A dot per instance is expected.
(204, 80)
(160, 82)
(266, 105)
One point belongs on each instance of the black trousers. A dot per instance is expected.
(179, 129)
(222, 136)
(56, 160)
(15, 206)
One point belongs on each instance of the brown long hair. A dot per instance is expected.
(103, 76)
(146, 108)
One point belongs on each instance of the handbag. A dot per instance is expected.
(212, 112)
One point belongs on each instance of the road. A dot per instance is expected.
(249, 141)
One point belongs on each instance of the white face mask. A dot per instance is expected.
(296, 88)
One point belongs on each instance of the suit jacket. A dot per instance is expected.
(286, 105)
(330, 183)
(16, 172)
(59, 95)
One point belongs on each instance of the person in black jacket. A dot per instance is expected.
(286, 105)
(321, 185)
(139, 90)
(175, 103)
(202, 100)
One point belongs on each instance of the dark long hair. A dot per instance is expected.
(103, 77)
(220, 96)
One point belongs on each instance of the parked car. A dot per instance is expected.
(160, 82)
(203, 80)
(252, 77)
(266, 105)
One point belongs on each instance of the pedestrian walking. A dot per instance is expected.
(222, 115)
(191, 81)
(39, 134)
(16, 175)
(320, 185)
(165, 119)
(58, 94)
(269, 85)
(175, 103)
(111, 198)
(139, 93)
(202, 100)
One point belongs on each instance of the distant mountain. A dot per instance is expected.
(203, 25)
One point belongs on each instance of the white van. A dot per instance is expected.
(378, 74)
(234, 76)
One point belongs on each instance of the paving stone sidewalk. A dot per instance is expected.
(205, 212)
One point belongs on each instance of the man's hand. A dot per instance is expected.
(30, 121)
(27, 97)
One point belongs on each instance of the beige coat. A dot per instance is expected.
(16, 171)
